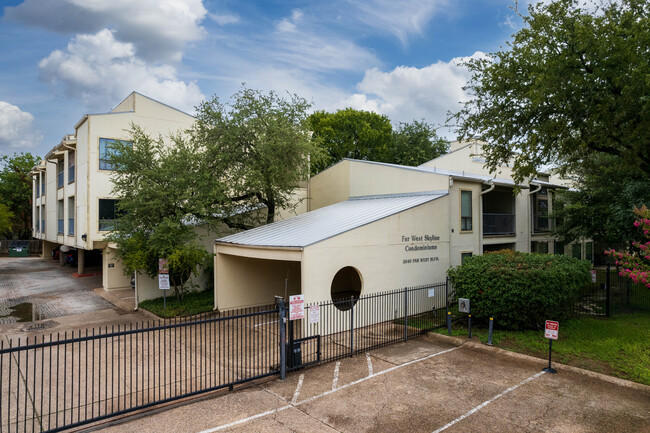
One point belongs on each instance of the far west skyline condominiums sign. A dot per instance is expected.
(415, 243)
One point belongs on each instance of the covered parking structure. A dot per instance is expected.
(359, 246)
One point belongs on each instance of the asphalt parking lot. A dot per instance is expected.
(51, 290)
(430, 384)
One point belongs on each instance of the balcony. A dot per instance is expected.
(70, 226)
(498, 224)
(71, 174)
(60, 227)
(59, 180)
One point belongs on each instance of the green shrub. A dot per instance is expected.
(520, 290)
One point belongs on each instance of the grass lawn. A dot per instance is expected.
(619, 346)
(193, 303)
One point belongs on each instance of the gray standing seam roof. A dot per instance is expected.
(316, 226)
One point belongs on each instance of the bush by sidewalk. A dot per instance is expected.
(522, 290)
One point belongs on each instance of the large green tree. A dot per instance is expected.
(601, 206)
(238, 166)
(16, 192)
(416, 143)
(572, 82)
(258, 149)
(351, 133)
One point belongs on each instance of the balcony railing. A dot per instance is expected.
(59, 180)
(71, 174)
(70, 226)
(60, 227)
(498, 224)
(542, 223)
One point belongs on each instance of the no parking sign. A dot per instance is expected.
(551, 329)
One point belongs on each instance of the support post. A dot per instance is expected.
(406, 315)
(352, 328)
(282, 319)
(469, 325)
(490, 331)
(550, 347)
(81, 259)
(608, 292)
(449, 322)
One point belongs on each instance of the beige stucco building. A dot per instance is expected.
(73, 204)
(373, 227)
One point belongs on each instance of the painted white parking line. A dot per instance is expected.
(296, 393)
(369, 364)
(335, 381)
(485, 403)
(326, 393)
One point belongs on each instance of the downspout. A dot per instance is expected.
(531, 220)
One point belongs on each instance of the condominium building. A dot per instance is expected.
(73, 204)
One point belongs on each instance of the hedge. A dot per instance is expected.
(520, 290)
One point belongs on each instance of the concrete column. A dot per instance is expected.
(80, 261)
(61, 257)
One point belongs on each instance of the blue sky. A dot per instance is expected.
(62, 59)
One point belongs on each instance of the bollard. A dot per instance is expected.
(469, 325)
(490, 332)
(449, 322)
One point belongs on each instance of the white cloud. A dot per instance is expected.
(224, 19)
(401, 18)
(302, 42)
(408, 93)
(101, 71)
(158, 29)
(16, 129)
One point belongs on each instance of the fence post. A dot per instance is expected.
(608, 292)
(283, 340)
(406, 314)
(352, 328)
(447, 306)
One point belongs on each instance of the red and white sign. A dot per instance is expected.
(163, 266)
(314, 314)
(593, 275)
(163, 281)
(296, 307)
(552, 329)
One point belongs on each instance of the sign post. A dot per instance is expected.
(163, 279)
(551, 331)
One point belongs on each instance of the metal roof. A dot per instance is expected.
(316, 226)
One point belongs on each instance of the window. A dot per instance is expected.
(589, 251)
(464, 256)
(576, 250)
(38, 218)
(43, 219)
(71, 216)
(108, 213)
(558, 247)
(42, 183)
(59, 213)
(346, 288)
(465, 210)
(71, 165)
(105, 152)
(539, 247)
(59, 173)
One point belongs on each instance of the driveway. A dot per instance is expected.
(426, 385)
(34, 288)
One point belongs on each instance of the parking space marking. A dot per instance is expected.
(335, 381)
(296, 393)
(485, 403)
(369, 363)
(326, 393)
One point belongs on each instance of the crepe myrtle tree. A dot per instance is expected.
(634, 263)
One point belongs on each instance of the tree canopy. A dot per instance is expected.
(16, 192)
(370, 136)
(572, 82)
(238, 166)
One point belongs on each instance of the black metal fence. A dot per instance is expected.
(612, 294)
(59, 381)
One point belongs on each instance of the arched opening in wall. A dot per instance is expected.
(346, 288)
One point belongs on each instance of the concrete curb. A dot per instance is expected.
(459, 341)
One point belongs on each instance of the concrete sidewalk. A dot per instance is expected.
(426, 385)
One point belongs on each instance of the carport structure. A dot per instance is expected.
(355, 247)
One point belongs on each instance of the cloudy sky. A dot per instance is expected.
(62, 59)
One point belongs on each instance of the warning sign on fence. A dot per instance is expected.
(296, 307)
(314, 314)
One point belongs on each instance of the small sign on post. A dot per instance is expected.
(314, 314)
(594, 274)
(551, 330)
(163, 279)
(296, 307)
